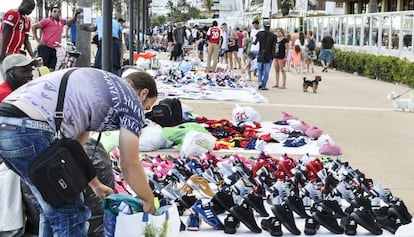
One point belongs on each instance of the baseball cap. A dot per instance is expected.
(16, 60)
(266, 24)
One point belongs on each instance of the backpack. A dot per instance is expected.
(167, 113)
(311, 45)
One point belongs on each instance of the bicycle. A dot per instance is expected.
(71, 55)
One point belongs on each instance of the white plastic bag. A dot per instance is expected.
(142, 224)
(151, 138)
(197, 143)
(245, 114)
(324, 139)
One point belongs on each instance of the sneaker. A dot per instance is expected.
(200, 184)
(388, 223)
(223, 199)
(187, 201)
(207, 214)
(256, 202)
(333, 206)
(366, 219)
(171, 192)
(195, 167)
(272, 225)
(285, 215)
(182, 225)
(245, 215)
(296, 204)
(311, 226)
(327, 220)
(399, 210)
(193, 222)
(230, 224)
(349, 225)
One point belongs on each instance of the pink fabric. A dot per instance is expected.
(302, 127)
(52, 31)
(286, 116)
(313, 132)
(330, 150)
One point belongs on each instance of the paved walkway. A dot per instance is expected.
(355, 112)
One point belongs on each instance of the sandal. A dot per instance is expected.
(275, 86)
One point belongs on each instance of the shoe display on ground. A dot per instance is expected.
(223, 199)
(272, 225)
(327, 220)
(366, 219)
(334, 206)
(285, 215)
(399, 209)
(231, 224)
(207, 214)
(245, 216)
(311, 226)
(256, 202)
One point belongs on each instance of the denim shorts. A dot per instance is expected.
(21, 141)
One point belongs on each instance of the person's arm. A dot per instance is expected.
(35, 27)
(132, 169)
(5, 35)
(28, 46)
(74, 17)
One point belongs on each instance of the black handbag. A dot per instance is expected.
(63, 170)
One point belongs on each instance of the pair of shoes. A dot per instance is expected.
(272, 225)
(285, 215)
(207, 214)
(325, 69)
(327, 220)
(200, 184)
(193, 222)
(245, 215)
(387, 220)
(365, 218)
(231, 224)
(311, 226)
(296, 204)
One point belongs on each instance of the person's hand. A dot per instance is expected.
(148, 207)
(78, 11)
(101, 191)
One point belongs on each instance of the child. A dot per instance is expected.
(251, 65)
(297, 58)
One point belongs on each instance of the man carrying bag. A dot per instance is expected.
(94, 100)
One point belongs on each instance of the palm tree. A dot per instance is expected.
(183, 6)
(208, 4)
(170, 5)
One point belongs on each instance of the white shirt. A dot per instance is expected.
(253, 33)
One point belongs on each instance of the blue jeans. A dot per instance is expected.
(263, 70)
(21, 141)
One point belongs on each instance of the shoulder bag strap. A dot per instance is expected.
(61, 97)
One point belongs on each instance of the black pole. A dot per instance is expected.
(138, 26)
(107, 36)
(131, 33)
(144, 22)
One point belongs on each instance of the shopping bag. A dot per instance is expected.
(166, 224)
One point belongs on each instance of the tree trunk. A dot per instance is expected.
(83, 38)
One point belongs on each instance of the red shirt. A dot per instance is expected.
(240, 38)
(214, 34)
(20, 26)
(5, 90)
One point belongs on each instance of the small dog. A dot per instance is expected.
(314, 84)
(400, 103)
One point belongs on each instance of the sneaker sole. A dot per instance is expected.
(337, 230)
(366, 225)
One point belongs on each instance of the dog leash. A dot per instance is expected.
(398, 96)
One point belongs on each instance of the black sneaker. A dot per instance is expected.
(327, 220)
(272, 225)
(245, 215)
(349, 225)
(366, 219)
(224, 200)
(231, 224)
(400, 211)
(296, 204)
(187, 201)
(311, 226)
(386, 220)
(256, 202)
(285, 215)
(334, 207)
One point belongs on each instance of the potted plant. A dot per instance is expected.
(285, 6)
